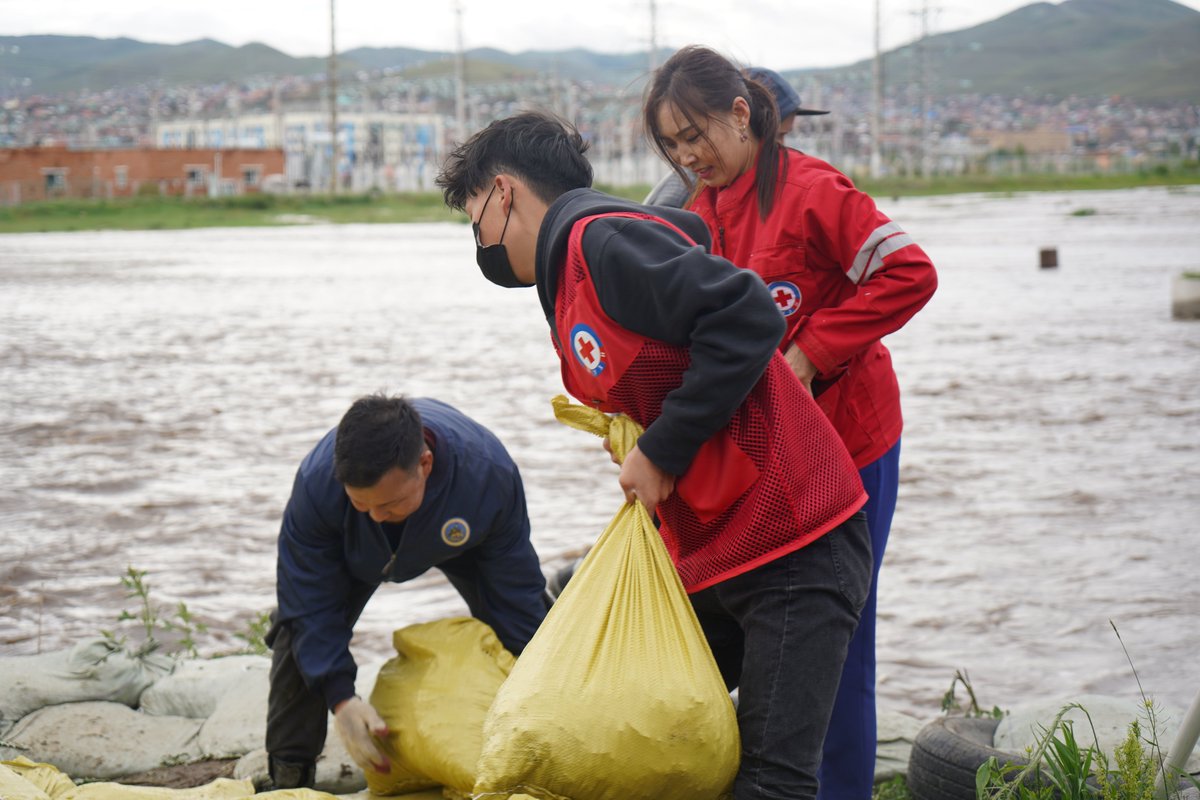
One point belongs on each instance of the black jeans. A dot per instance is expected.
(779, 634)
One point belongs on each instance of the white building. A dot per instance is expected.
(382, 150)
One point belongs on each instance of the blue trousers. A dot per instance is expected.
(779, 634)
(848, 761)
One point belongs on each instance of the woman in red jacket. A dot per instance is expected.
(843, 276)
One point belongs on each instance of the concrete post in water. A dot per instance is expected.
(1185, 296)
(1049, 257)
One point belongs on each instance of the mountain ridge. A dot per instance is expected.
(1142, 49)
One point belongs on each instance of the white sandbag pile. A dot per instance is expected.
(94, 669)
(895, 733)
(105, 740)
(97, 713)
(196, 686)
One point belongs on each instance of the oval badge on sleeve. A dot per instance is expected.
(456, 532)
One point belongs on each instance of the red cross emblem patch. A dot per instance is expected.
(588, 349)
(786, 296)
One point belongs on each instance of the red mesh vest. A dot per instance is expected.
(774, 479)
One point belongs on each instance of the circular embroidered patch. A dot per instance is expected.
(786, 296)
(455, 532)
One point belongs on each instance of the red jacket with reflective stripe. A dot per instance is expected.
(775, 478)
(842, 274)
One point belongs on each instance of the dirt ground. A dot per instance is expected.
(183, 776)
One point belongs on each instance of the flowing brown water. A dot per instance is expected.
(158, 390)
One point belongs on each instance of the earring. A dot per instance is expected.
(743, 135)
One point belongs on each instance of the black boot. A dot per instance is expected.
(283, 774)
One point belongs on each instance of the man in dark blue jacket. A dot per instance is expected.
(398, 487)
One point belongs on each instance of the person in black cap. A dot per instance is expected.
(673, 190)
(842, 275)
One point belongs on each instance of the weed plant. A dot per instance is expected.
(950, 704)
(255, 635)
(895, 789)
(1059, 768)
(172, 629)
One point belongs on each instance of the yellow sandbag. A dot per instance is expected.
(47, 778)
(434, 696)
(219, 789)
(51, 783)
(15, 787)
(617, 695)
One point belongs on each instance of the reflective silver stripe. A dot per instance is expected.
(894, 243)
(868, 249)
(867, 260)
(884, 250)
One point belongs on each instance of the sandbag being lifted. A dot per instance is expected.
(434, 696)
(617, 695)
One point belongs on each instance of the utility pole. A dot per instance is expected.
(333, 103)
(924, 150)
(460, 75)
(653, 36)
(877, 100)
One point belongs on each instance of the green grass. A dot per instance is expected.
(171, 213)
(895, 789)
(155, 213)
(1184, 175)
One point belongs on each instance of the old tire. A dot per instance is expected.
(947, 753)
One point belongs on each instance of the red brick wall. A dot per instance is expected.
(123, 173)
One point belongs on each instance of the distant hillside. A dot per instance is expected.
(1145, 49)
(61, 64)
(400, 58)
(1142, 49)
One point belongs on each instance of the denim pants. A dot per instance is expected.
(779, 634)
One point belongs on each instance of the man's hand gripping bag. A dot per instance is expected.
(617, 696)
(434, 696)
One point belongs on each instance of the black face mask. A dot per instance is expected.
(493, 259)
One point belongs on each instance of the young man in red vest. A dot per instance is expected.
(758, 499)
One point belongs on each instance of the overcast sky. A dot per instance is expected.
(783, 34)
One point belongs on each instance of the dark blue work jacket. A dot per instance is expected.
(472, 524)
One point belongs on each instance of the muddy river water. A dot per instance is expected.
(158, 390)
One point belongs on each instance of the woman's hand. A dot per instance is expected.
(805, 370)
(642, 480)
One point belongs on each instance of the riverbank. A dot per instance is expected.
(262, 210)
(155, 720)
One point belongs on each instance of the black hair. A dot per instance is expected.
(702, 83)
(544, 151)
(377, 434)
